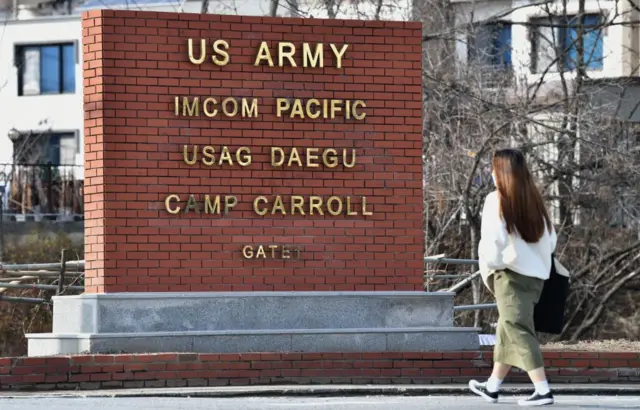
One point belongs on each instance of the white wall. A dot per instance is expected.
(63, 112)
(242, 7)
(139, 5)
(349, 9)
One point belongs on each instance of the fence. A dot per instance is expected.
(64, 276)
(42, 191)
(466, 279)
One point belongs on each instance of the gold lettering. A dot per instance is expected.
(229, 203)
(364, 207)
(192, 204)
(309, 59)
(243, 159)
(225, 107)
(250, 110)
(325, 108)
(190, 110)
(203, 52)
(335, 107)
(315, 202)
(282, 104)
(297, 109)
(330, 208)
(288, 54)
(356, 114)
(297, 203)
(210, 208)
(185, 155)
(225, 155)
(263, 54)
(349, 211)
(230, 106)
(278, 205)
(205, 107)
(330, 158)
(312, 157)
(275, 150)
(315, 114)
(268, 251)
(247, 252)
(294, 156)
(353, 158)
(208, 155)
(257, 210)
(220, 52)
(339, 54)
(167, 204)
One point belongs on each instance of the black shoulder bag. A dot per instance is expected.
(548, 316)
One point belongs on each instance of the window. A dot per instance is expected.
(56, 148)
(554, 39)
(61, 149)
(46, 69)
(490, 45)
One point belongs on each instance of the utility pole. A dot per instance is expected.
(205, 7)
(273, 7)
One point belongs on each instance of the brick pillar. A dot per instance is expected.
(136, 63)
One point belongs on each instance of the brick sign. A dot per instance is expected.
(228, 153)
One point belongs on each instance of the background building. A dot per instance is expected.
(41, 124)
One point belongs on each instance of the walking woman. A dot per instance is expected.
(516, 244)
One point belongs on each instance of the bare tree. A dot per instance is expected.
(578, 133)
(584, 150)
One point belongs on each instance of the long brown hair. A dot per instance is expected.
(521, 204)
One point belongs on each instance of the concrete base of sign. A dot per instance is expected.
(237, 322)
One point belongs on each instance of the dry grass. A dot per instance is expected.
(595, 346)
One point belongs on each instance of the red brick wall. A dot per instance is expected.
(136, 62)
(177, 370)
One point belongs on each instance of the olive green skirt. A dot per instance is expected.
(516, 341)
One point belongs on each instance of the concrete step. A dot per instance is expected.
(421, 339)
(213, 311)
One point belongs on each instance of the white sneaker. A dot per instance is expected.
(537, 399)
(481, 390)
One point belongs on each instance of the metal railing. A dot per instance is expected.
(20, 276)
(16, 274)
(466, 279)
(42, 191)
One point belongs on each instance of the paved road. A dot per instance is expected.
(308, 403)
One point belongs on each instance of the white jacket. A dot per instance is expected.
(500, 250)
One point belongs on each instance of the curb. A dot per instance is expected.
(326, 390)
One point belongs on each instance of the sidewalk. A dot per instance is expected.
(330, 390)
